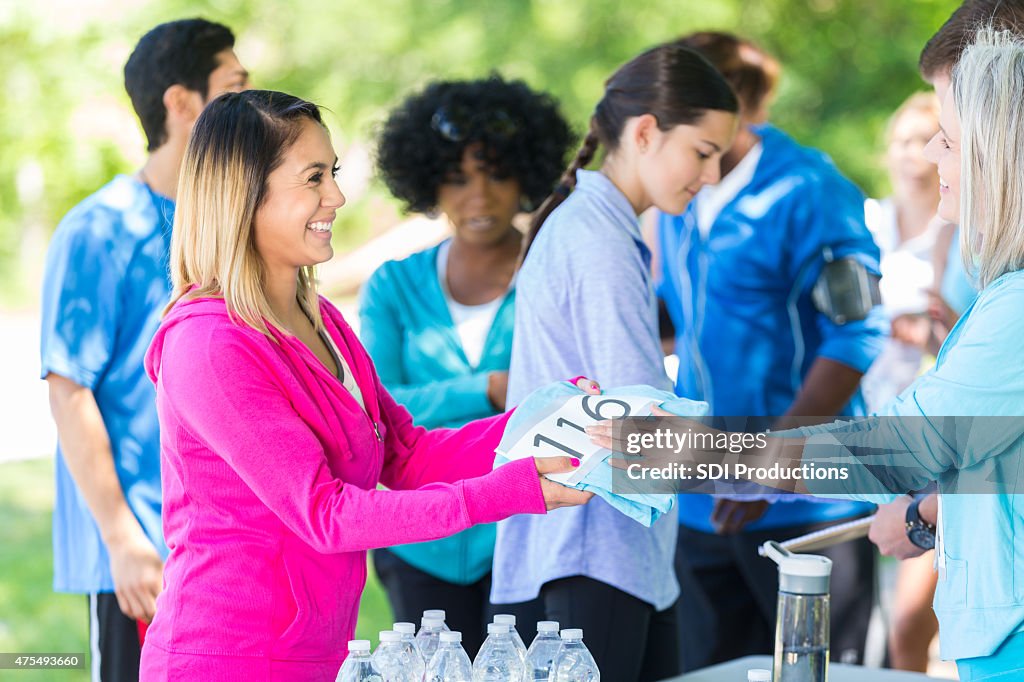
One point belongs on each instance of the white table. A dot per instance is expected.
(736, 671)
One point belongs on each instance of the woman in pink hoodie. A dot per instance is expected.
(275, 429)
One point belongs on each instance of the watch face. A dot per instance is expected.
(922, 537)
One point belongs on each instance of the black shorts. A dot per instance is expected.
(114, 647)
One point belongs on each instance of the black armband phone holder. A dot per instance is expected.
(846, 290)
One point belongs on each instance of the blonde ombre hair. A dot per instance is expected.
(988, 93)
(238, 140)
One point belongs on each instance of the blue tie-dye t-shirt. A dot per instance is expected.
(105, 286)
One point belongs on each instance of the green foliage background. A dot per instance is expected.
(66, 127)
(847, 65)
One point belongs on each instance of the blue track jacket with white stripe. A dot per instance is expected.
(747, 331)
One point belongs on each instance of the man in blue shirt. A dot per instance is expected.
(105, 287)
(739, 271)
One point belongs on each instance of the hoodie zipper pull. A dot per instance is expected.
(376, 430)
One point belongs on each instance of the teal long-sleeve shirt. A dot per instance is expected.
(407, 329)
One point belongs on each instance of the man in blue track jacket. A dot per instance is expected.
(738, 275)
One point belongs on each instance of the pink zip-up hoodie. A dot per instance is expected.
(270, 472)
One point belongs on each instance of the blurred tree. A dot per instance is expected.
(66, 126)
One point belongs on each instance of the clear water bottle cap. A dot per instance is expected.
(572, 633)
(497, 628)
(429, 622)
(506, 618)
(404, 628)
(390, 636)
(359, 646)
(799, 573)
(435, 613)
(451, 636)
(547, 626)
(759, 675)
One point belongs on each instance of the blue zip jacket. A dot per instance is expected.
(980, 600)
(408, 331)
(747, 331)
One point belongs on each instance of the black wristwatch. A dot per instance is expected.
(919, 532)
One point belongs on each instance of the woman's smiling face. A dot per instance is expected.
(944, 151)
(293, 226)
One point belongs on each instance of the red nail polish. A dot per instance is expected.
(574, 461)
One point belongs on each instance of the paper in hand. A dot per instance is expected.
(560, 432)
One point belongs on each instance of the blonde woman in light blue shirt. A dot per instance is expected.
(962, 423)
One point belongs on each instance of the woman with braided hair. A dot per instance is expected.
(585, 304)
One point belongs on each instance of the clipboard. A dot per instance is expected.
(827, 537)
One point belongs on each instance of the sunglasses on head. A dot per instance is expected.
(457, 124)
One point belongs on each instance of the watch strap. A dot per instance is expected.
(914, 516)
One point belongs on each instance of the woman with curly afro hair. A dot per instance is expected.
(438, 324)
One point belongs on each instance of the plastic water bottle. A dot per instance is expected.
(408, 633)
(358, 667)
(573, 662)
(450, 662)
(392, 660)
(428, 637)
(802, 621)
(440, 614)
(498, 660)
(510, 620)
(542, 651)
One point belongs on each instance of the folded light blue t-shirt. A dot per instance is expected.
(644, 508)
